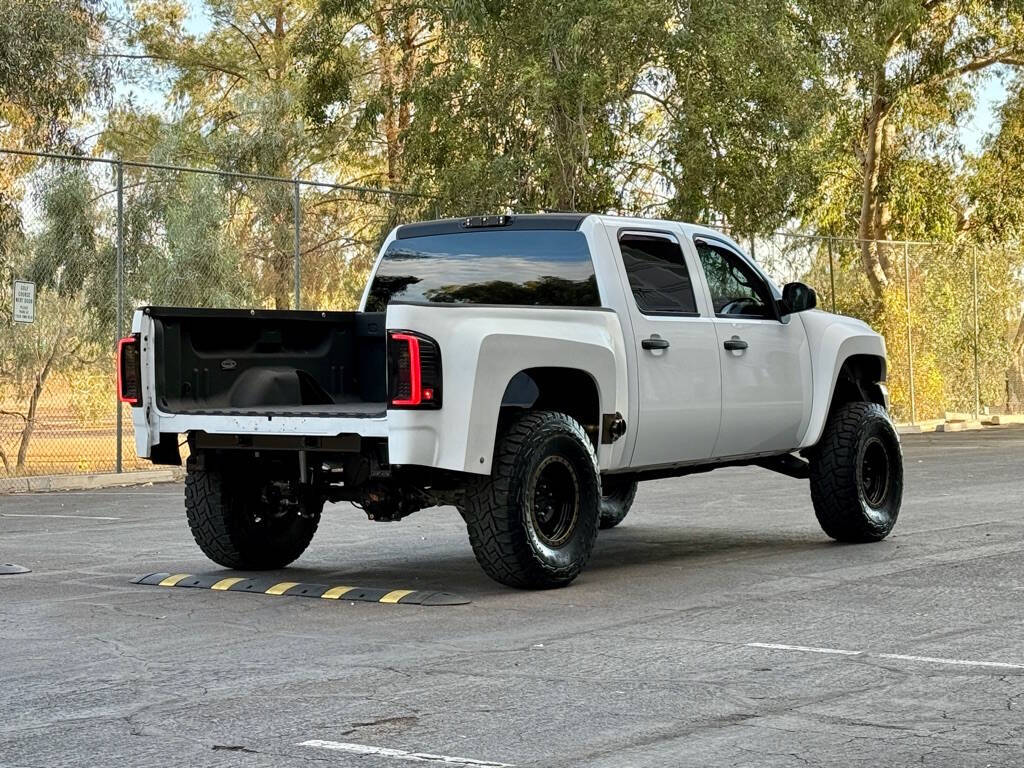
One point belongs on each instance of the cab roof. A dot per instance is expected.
(535, 221)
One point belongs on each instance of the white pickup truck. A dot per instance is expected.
(528, 370)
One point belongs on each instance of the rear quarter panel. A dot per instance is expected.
(482, 348)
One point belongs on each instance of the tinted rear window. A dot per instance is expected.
(525, 267)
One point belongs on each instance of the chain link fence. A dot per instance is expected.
(950, 314)
(98, 237)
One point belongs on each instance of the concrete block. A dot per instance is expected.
(1001, 419)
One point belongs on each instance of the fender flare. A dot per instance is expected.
(502, 357)
(837, 345)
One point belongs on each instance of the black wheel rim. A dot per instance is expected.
(875, 475)
(555, 502)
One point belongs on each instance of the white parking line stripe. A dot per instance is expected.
(401, 754)
(804, 648)
(892, 656)
(63, 517)
(960, 662)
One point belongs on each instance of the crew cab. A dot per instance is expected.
(528, 370)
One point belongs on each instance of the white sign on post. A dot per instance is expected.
(24, 301)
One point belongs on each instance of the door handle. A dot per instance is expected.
(735, 343)
(655, 342)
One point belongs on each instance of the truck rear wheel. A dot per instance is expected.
(241, 522)
(533, 522)
(616, 499)
(857, 474)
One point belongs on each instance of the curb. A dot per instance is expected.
(959, 426)
(919, 427)
(89, 482)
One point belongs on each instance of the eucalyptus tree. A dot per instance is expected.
(901, 75)
(48, 67)
(235, 102)
(741, 93)
(995, 200)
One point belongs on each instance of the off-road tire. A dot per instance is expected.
(856, 474)
(509, 520)
(235, 527)
(616, 499)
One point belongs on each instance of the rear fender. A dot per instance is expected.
(482, 349)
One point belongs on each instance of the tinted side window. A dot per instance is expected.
(736, 290)
(521, 267)
(657, 274)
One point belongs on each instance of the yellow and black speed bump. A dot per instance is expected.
(218, 582)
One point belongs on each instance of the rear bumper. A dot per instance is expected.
(149, 424)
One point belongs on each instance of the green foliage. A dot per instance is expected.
(840, 116)
(47, 70)
(744, 102)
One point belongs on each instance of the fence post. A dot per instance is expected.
(977, 368)
(119, 320)
(297, 213)
(910, 340)
(832, 275)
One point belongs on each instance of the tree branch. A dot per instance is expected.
(170, 60)
(664, 104)
(247, 39)
(977, 64)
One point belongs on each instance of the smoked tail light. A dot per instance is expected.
(129, 370)
(414, 371)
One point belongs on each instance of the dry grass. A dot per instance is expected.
(75, 432)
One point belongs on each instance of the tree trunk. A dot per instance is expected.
(284, 282)
(874, 216)
(388, 82)
(408, 71)
(1015, 372)
(882, 214)
(33, 402)
(563, 198)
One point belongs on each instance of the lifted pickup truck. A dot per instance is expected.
(528, 370)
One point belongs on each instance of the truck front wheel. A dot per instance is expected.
(532, 524)
(240, 521)
(857, 474)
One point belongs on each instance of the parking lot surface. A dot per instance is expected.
(717, 626)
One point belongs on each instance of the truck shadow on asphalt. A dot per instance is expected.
(623, 547)
(637, 549)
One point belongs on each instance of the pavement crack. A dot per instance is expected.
(401, 720)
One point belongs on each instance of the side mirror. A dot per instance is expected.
(797, 297)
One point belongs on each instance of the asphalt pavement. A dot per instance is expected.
(717, 626)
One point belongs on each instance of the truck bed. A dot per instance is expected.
(269, 363)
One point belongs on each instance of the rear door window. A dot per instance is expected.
(522, 267)
(657, 274)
